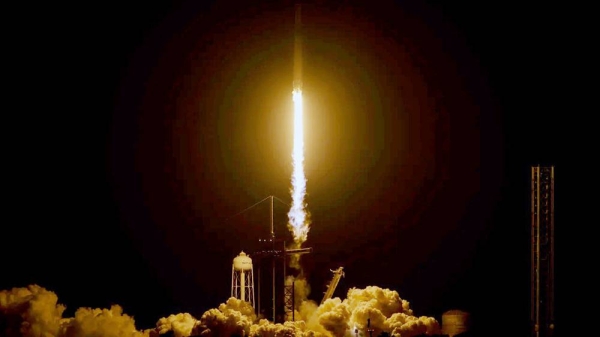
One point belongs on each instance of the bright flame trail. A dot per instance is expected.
(298, 216)
(299, 223)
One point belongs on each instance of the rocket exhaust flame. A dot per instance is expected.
(298, 216)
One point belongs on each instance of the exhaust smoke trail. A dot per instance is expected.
(298, 216)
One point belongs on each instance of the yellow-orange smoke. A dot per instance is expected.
(34, 311)
(298, 216)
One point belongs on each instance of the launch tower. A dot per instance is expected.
(274, 250)
(542, 251)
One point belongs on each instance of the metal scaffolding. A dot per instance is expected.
(542, 251)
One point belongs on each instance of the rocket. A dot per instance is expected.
(298, 49)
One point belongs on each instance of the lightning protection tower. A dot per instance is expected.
(542, 251)
(242, 279)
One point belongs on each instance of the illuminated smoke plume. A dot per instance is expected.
(31, 311)
(181, 324)
(235, 317)
(388, 312)
(34, 312)
(101, 322)
(334, 318)
(384, 307)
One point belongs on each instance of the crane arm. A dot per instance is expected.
(337, 275)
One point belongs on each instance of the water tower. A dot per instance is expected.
(455, 322)
(242, 279)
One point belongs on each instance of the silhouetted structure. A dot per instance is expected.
(455, 322)
(542, 251)
(242, 279)
(273, 250)
(369, 329)
(337, 274)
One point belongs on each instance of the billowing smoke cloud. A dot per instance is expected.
(233, 318)
(181, 324)
(100, 322)
(35, 312)
(31, 311)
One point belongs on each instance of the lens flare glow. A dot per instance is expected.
(299, 223)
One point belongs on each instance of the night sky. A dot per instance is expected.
(141, 131)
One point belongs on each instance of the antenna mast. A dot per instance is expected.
(273, 260)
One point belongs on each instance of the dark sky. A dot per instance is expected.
(140, 129)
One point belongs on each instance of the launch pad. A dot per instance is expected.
(274, 256)
(275, 249)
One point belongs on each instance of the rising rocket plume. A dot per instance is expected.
(299, 222)
(298, 216)
(34, 311)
